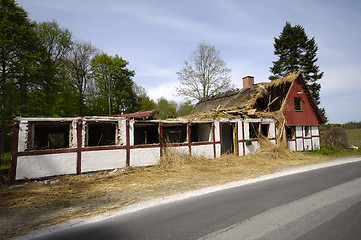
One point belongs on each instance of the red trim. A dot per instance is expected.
(47, 151)
(237, 148)
(79, 146)
(127, 161)
(220, 137)
(161, 138)
(14, 154)
(244, 147)
(201, 143)
(214, 140)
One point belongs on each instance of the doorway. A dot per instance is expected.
(228, 137)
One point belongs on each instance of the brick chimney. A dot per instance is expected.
(248, 81)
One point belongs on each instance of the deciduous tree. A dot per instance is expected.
(17, 54)
(78, 65)
(205, 74)
(113, 84)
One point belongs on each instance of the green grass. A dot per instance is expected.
(354, 137)
(334, 152)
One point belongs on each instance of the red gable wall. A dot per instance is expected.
(307, 116)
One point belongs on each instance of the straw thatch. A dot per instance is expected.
(263, 100)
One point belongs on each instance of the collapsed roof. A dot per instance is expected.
(263, 100)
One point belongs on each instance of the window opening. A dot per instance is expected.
(53, 135)
(101, 134)
(290, 132)
(201, 132)
(298, 104)
(146, 133)
(253, 130)
(265, 130)
(174, 133)
(307, 131)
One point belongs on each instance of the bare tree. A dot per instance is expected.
(206, 74)
(79, 69)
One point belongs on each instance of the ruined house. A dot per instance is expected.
(230, 122)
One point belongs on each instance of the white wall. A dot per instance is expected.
(23, 136)
(292, 145)
(252, 148)
(38, 166)
(141, 157)
(103, 160)
(203, 150)
(217, 137)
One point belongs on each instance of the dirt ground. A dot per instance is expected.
(37, 204)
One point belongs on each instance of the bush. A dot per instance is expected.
(336, 138)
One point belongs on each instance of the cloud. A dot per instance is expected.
(166, 90)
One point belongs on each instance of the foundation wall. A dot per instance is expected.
(203, 150)
(142, 157)
(92, 161)
(38, 166)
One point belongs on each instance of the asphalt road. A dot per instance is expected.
(318, 204)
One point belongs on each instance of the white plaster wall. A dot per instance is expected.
(122, 128)
(299, 145)
(315, 131)
(299, 132)
(45, 165)
(216, 131)
(252, 148)
(240, 149)
(246, 130)
(83, 133)
(23, 136)
(203, 150)
(316, 143)
(73, 134)
(141, 157)
(292, 145)
(272, 131)
(131, 132)
(308, 144)
(240, 133)
(218, 150)
(103, 160)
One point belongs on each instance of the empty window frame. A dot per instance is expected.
(298, 104)
(101, 133)
(290, 132)
(201, 132)
(253, 130)
(307, 131)
(146, 133)
(174, 133)
(265, 129)
(48, 135)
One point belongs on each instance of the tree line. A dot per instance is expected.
(45, 72)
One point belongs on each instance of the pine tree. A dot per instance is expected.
(296, 52)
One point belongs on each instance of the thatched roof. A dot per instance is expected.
(259, 100)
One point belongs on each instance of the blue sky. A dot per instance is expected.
(157, 36)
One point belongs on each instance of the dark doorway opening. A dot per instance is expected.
(228, 137)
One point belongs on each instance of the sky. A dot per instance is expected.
(157, 36)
